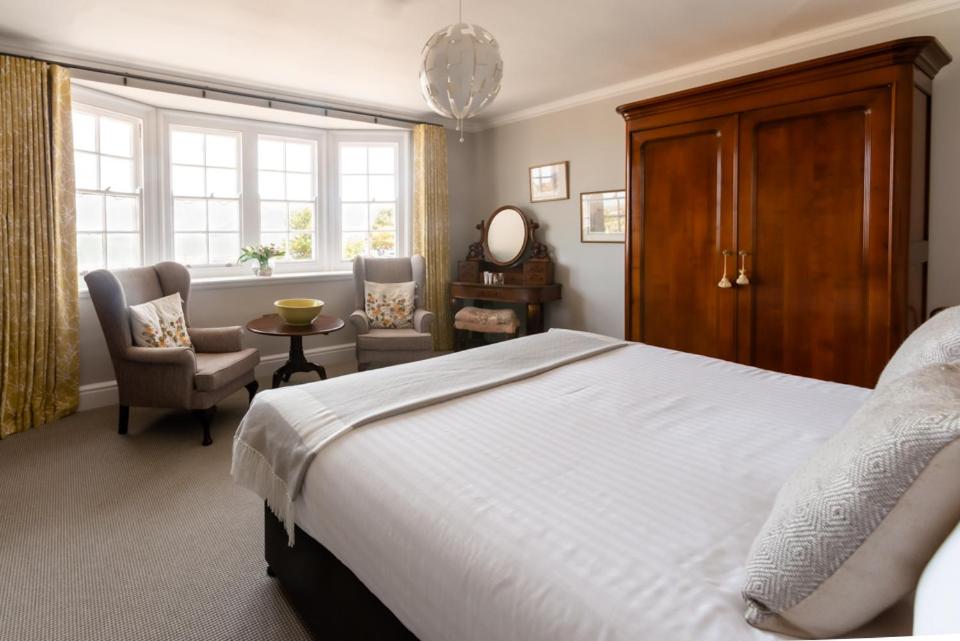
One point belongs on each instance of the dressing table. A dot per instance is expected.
(508, 245)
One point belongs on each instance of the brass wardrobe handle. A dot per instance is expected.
(725, 280)
(742, 278)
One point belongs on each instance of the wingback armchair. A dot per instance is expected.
(391, 346)
(175, 377)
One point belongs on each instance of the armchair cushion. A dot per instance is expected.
(159, 323)
(214, 370)
(389, 305)
(360, 321)
(216, 339)
(386, 340)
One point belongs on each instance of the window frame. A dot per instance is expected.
(156, 211)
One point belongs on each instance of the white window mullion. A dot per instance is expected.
(250, 225)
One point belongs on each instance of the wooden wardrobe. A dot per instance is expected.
(811, 178)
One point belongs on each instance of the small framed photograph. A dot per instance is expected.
(603, 216)
(550, 182)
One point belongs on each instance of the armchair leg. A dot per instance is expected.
(205, 416)
(252, 388)
(124, 419)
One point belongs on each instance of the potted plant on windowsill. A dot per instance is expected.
(264, 255)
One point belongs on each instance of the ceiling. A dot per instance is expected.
(367, 52)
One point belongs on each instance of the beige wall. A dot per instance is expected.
(591, 137)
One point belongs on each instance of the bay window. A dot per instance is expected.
(156, 184)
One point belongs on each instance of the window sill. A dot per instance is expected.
(230, 282)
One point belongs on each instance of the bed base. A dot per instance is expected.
(330, 600)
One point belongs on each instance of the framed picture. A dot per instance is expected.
(550, 182)
(603, 216)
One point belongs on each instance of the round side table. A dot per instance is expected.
(273, 325)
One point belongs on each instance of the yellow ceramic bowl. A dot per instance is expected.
(298, 311)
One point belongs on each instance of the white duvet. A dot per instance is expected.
(612, 498)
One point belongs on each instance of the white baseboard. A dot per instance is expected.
(104, 393)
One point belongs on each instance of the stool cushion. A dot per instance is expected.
(475, 319)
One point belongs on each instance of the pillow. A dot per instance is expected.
(936, 341)
(160, 323)
(389, 305)
(852, 529)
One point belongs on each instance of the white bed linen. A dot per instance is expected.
(613, 498)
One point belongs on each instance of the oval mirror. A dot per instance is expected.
(506, 236)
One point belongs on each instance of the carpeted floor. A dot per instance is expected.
(133, 538)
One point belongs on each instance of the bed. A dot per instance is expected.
(613, 497)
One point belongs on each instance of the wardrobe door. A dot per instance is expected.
(814, 218)
(681, 194)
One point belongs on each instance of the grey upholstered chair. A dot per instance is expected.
(175, 377)
(391, 346)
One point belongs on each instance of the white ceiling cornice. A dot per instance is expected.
(787, 44)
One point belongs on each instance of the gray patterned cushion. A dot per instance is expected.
(936, 341)
(853, 527)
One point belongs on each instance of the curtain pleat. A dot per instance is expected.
(431, 225)
(39, 364)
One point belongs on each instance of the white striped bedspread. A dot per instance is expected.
(614, 498)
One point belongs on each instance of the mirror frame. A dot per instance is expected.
(488, 257)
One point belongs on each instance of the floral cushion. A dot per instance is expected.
(160, 323)
(389, 305)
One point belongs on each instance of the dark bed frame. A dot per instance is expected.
(331, 601)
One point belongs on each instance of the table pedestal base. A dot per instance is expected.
(296, 362)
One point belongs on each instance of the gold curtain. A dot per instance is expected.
(39, 378)
(431, 225)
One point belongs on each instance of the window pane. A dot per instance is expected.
(123, 250)
(354, 244)
(221, 151)
(353, 188)
(85, 170)
(271, 185)
(89, 251)
(301, 216)
(269, 154)
(89, 212)
(382, 188)
(280, 240)
(299, 157)
(190, 248)
(187, 181)
(273, 216)
(116, 174)
(116, 137)
(186, 147)
(189, 215)
(299, 186)
(223, 215)
(121, 214)
(353, 160)
(84, 131)
(354, 217)
(382, 160)
(383, 217)
(301, 247)
(222, 182)
(383, 243)
(224, 248)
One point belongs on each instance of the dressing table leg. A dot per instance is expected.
(534, 318)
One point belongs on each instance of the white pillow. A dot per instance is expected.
(389, 305)
(159, 323)
(936, 341)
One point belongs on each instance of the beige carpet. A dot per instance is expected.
(133, 538)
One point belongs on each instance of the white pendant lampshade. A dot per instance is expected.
(461, 71)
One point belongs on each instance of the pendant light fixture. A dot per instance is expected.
(460, 71)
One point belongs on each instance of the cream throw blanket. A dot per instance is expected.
(285, 428)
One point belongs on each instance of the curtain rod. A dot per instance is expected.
(125, 77)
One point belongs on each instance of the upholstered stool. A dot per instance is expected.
(484, 321)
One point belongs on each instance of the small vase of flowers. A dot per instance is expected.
(263, 255)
